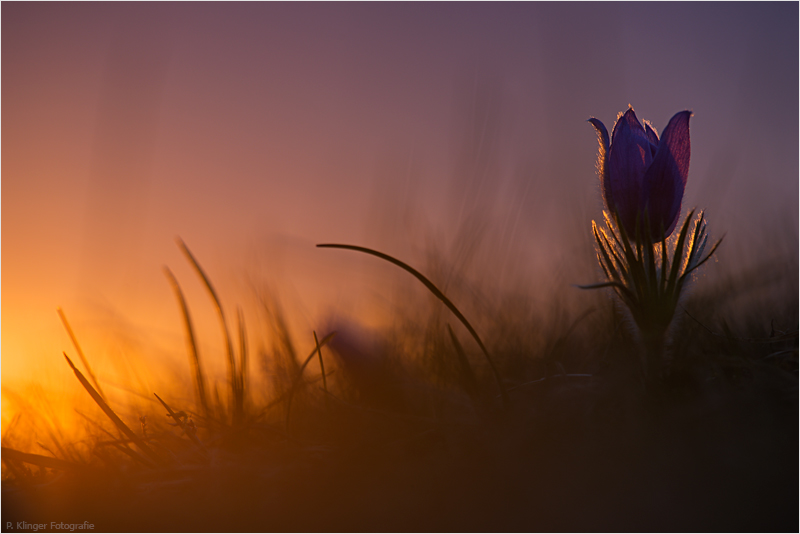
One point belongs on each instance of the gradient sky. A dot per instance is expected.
(254, 131)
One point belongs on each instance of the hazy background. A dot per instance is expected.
(255, 131)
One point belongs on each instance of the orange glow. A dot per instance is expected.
(453, 137)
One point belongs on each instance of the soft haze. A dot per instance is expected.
(254, 131)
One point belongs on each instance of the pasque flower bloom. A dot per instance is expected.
(644, 177)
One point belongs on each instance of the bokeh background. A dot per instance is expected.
(254, 131)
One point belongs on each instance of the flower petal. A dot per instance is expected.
(652, 136)
(665, 179)
(628, 159)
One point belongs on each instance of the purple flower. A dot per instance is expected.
(643, 177)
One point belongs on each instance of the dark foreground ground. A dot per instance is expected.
(713, 452)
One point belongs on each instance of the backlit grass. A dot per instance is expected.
(472, 413)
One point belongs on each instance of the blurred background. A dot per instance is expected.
(449, 135)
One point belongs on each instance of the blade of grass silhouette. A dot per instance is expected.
(42, 445)
(43, 461)
(122, 445)
(321, 364)
(194, 357)
(191, 435)
(441, 296)
(111, 415)
(237, 415)
(299, 376)
(242, 378)
(80, 352)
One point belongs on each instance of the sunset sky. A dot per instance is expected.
(255, 130)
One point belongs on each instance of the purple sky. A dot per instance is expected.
(254, 131)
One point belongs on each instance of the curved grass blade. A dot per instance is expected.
(237, 415)
(111, 415)
(435, 290)
(199, 380)
(242, 376)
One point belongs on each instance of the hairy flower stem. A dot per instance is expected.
(648, 275)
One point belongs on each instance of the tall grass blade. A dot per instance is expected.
(111, 415)
(433, 289)
(237, 414)
(84, 361)
(242, 378)
(194, 357)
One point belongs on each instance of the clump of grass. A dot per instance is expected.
(569, 448)
(236, 377)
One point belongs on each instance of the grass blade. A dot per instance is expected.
(111, 415)
(321, 364)
(191, 435)
(237, 415)
(42, 461)
(435, 290)
(242, 377)
(299, 376)
(122, 445)
(84, 361)
(194, 357)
